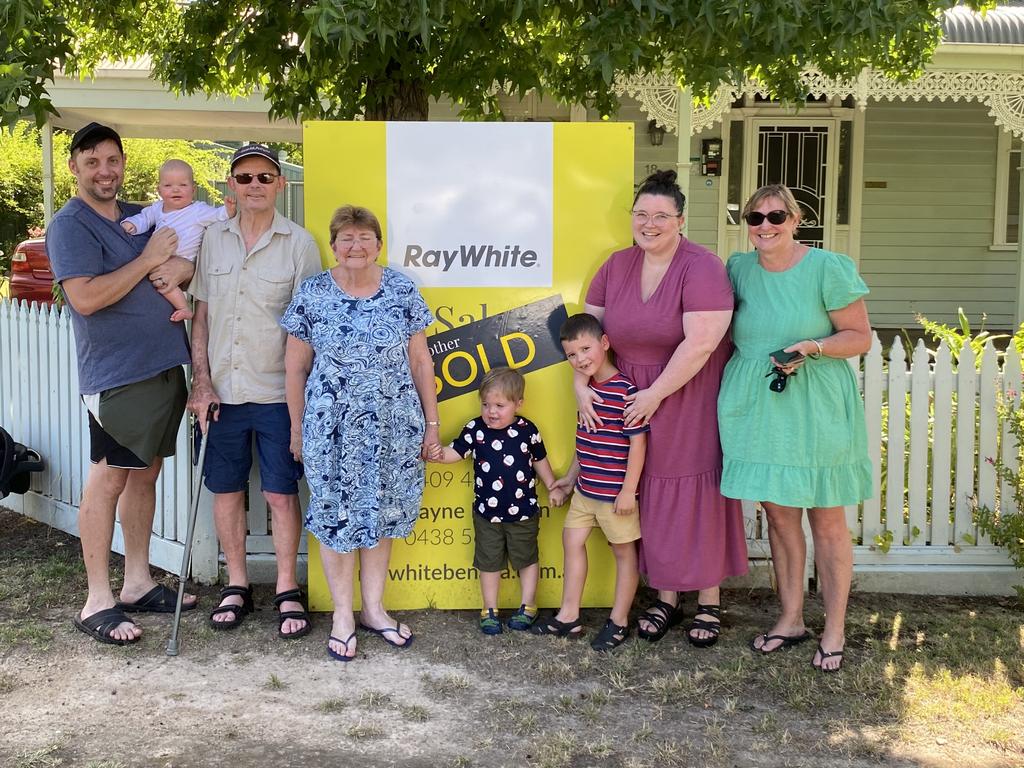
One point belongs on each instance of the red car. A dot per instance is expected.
(31, 278)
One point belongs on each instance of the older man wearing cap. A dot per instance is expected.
(247, 270)
(130, 358)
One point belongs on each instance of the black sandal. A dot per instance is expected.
(610, 637)
(823, 654)
(714, 627)
(238, 612)
(553, 626)
(283, 616)
(662, 616)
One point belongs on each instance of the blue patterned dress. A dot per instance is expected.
(363, 424)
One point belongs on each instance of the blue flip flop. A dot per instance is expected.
(333, 653)
(383, 634)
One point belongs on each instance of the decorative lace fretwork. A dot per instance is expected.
(1001, 92)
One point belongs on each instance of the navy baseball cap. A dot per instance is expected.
(255, 150)
(94, 133)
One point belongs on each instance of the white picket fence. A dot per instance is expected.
(915, 534)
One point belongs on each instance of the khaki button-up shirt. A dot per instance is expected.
(246, 295)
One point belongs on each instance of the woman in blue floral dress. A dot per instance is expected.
(360, 382)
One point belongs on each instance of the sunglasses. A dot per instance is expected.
(262, 178)
(754, 218)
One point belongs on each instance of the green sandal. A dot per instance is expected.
(521, 621)
(490, 624)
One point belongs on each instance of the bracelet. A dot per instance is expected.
(433, 423)
(821, 349)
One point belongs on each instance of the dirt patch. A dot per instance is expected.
(456, 698)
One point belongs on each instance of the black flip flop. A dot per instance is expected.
(101, 624)
(340, 656)
(788, 641)
(384, 632)
(827, 655)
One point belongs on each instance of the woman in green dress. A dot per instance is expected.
(793, 433)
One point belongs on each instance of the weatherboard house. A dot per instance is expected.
(920, 182)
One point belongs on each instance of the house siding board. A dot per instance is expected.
(702, 219)
(926, 237)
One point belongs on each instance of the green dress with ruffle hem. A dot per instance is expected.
(807, 445)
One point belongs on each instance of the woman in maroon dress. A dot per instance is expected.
(666, 304)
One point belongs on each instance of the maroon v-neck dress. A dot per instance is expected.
(692, 536)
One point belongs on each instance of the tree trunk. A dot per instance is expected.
(396, 99)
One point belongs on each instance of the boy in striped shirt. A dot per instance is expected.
(604, 474)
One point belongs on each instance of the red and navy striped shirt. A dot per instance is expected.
(603, 454)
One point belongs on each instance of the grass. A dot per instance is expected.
(274, 683)
(926, 681)
(332, 706)
(361, 731)
(372, 699)
(42, 757)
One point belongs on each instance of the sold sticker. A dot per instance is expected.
(524, 338)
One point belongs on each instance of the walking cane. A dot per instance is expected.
(197, 488)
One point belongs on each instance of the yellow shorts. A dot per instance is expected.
(585, 512)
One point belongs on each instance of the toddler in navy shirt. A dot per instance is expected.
(508, 455)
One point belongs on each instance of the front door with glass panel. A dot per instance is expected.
(799, 155)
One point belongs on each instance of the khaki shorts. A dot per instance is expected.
(585, 512)
(132, 425)
(500, 543)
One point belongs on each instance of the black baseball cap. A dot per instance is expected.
(255, 150)
(92, 134)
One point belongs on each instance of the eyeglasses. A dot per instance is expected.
(659, 219)
(262, 178)
(366, 243)
(754, 218)
(778, 384)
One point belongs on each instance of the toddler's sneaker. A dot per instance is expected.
(523, 619)
(490, 624)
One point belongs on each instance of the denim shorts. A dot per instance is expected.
(229, 449)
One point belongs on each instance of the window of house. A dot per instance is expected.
(1007, 219)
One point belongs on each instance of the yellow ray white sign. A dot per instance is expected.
(502, 226)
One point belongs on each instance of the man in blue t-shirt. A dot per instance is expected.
(130, 358)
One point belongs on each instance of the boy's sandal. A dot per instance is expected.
(521, 621)
(662, 616)
(610, 637)
(558, 628)
(238, 612)
(291, 595)
(713, 627)
(823, 654)
(490, 624)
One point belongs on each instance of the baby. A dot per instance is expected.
(178, 210)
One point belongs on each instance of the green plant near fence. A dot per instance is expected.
(1005, 527)
(957, 339)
